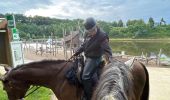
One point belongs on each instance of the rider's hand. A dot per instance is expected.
(110, 59)
(75, 54)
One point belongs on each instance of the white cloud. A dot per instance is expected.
(50, 11)
(109, 10)
(20, 6)
(58, 9)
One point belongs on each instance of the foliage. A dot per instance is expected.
(151, 22)
(3, 94)
(120, 23)
(44, 27)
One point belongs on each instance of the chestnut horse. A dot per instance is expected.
(132, 83)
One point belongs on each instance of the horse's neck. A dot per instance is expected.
(41, 75)
(114, 77)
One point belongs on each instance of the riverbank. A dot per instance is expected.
(139, 39)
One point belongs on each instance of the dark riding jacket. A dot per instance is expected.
(96, 46)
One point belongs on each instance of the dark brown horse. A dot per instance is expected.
(51, 74)
(47, 73)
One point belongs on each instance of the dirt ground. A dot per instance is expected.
(159, 83)
(31, 55)
(159, 76)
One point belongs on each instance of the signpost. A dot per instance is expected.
(17, 53)
(16, 45)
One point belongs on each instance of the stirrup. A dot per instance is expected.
(84, 97)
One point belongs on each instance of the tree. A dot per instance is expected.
(105, 26)
(39, 27)
(151, 22)
(1, 15)
(33, 36)
(120, 23)
(162, 22)
(128, 23)
(114, 24)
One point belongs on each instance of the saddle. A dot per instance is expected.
(74, 74)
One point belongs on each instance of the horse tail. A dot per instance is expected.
(145, 94)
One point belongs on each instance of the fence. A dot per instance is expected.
(46, 46)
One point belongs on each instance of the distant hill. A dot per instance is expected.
(43, 27)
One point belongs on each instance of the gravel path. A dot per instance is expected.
(159, 83)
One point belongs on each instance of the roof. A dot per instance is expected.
(71, 36)
(3, 23)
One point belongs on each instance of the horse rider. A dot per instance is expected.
(96, 43)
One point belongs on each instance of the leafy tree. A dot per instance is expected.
(1, 15)
(151, 22)
(120, 23)
(162, 22)
(105, 26)
(130, 22)
(115, 24)
(42, 27)
(33, 36)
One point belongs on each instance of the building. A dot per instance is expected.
(5, 39)
(72, 40)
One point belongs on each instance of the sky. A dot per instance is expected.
(107, 10)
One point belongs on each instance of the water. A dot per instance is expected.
(136, 48)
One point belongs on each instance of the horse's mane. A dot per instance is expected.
(115, 82)
(37, 64)
(42, 62)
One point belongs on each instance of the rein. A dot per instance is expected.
(37, 87)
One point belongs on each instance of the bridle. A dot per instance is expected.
(37, 87)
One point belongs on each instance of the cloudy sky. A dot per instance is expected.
(108, 10)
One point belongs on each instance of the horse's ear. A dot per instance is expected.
(130, 62)
(7, 68)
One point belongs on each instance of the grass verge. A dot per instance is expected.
(41, 94)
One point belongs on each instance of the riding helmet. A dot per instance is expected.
(89, 23)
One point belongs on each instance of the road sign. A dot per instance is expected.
(15, 34)
(17, 53)
(11, 21)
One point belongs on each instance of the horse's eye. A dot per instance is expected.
(5, 81)
(3, 88)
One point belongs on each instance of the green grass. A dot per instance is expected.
(3, 95)
(41, 94)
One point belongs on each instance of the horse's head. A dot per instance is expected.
(48, 73)
(15, 89)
